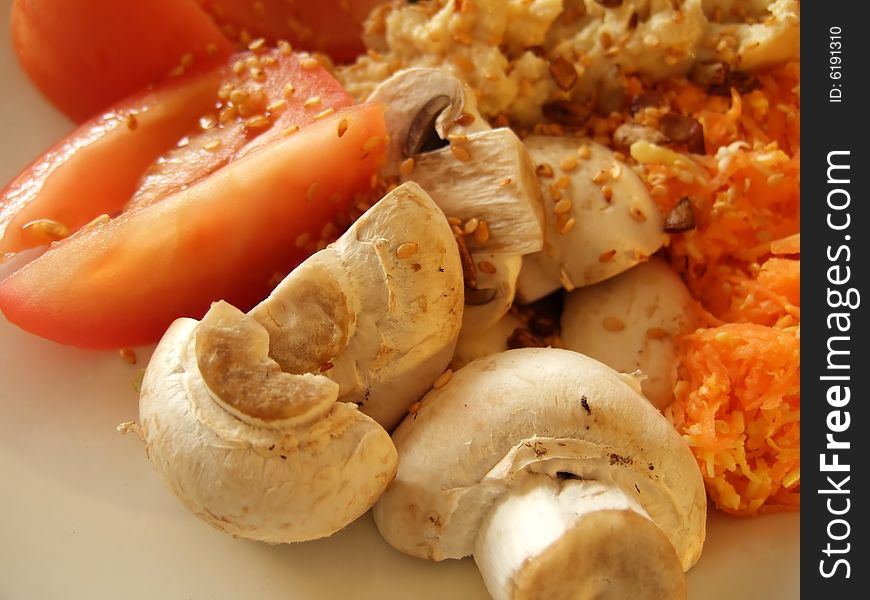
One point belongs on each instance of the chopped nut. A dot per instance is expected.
(564, 112)
(563, 73)
(681, 218)
(544, 170)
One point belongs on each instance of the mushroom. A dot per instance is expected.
(252, 419)
(424, 107)
(630, 323)
(555, 473)
(601, 220)
(494, 294)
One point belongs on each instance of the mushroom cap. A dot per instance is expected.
(534, 410)
(378, 311)
(495, 183)
(609, 235)
(421, 103)
(630, 322)
(256, 480)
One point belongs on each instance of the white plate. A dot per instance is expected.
(82, 514)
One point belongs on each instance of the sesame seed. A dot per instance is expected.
(208, 121)
(562, 182)
(442, 380)
(324, 113)
(505, 182)
(471, 226)
(460, 153)
(290, 130)
(312, 101)
(568, 226)
(309, 63)
(212, 146)
(98, 220)
(607, 256)
(615, 171)
(584, 151)
(612, 323)
(342, 127)
(568, 164)
(464, 119)
(454, 221)
(48, 228)
(600, 177)
(257, 74)
(302, 239)
(407, 250)
(457, 230)
(277, 106)
(128, 354)
(257, 44)
(257, 122)
(284, 47)
(486, 267)
(773, 180)
(187, 60)
(562, 206)
(607, 192)
(656, 333)
(372, 143)
(637, 214)
(481, 234)
(288, 90)
(414, 407)
(238, 67)
(406, 168)
(544, 170)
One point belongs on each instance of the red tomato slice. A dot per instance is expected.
(71, 184)
(330, 26)
(122, 282)
(85, 55)
(95, 169)
(264, 95)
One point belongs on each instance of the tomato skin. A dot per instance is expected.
(121, 283)
(330, 26)
(95, 169)
(85, 55)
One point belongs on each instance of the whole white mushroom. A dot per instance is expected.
(555, 474)
(271, 425)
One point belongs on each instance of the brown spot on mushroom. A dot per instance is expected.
(623, 461)
(584, 402)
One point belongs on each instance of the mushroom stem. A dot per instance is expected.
(569, 537)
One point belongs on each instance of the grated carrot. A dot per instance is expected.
(738, 390)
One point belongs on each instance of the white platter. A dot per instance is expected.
(83, 516)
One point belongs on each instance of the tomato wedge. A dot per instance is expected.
(96, 168)
(122, 282)
(330, 26)
(220, 115)
(85, 55)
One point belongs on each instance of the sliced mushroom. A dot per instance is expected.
(555, 473)
(491, 180)
(424, 107)
(600, 218)
(498, 273)
(397, 272)
(252, 420)
(485, 342)
(630, 323)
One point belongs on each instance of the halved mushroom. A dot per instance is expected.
(252, 419)
(555, 473)
(630, 322)
(601, 220)
(424, 107)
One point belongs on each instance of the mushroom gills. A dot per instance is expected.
(571, 538)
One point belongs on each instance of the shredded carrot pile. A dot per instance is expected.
(738, 393)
